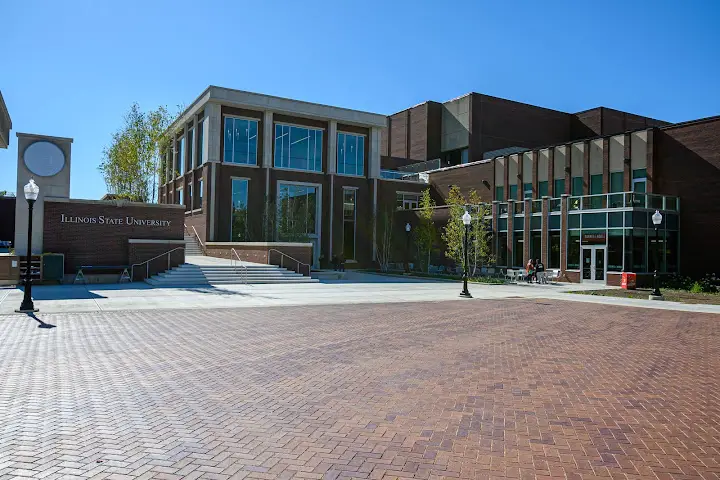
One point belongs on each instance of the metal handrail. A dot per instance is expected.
(197, 237)
(243, 266)
(283, 254)
(147, 263)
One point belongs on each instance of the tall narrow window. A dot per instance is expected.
(639, 182)
(238, 223)
(201, 134)
(200, 193)
(179, 158)
(542, 189)
(349, 216)
(350, 154)
(191, 147)
(240, 145)
(499, 192)
(189, 197)
(527, 190)
(513, 192)
(298, 148)
(616, 182)
(576, 188)
(559, 187)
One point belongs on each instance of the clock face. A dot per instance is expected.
(44, 159)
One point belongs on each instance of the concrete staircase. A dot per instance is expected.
(191, 246)
(190, 274)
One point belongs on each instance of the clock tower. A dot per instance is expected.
(47, 160)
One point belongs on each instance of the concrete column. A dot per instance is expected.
(627, 168)
(551, 175)
(506, 172)
(332, 214)
(374, 166)
(332, 147)
(567, 168)
(213, 132)
(268, 143)
(544, 236)
(193, 157)
(374, 221)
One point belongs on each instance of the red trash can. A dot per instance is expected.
(628, 281)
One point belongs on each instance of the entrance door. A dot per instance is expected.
(593, 264)
(299, 207)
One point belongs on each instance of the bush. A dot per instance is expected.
(708, 284)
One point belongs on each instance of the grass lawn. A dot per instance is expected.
(670, 295)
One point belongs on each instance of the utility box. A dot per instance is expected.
(53, 267)
(629, 281)
(9, 269)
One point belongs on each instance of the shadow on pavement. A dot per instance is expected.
(42, 324)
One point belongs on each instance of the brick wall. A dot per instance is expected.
(100, 243)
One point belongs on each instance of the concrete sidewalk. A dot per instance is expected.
(357, 288)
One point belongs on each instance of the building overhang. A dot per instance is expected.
(5, 124)
(285, 106)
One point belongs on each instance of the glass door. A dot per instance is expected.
(593, 265)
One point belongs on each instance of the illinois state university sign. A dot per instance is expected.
(115, 221)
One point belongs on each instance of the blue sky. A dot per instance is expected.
(72, 68)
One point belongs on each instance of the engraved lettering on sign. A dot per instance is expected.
(104, 220)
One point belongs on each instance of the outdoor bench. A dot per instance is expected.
(123, 269)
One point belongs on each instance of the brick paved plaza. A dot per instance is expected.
(470, 389)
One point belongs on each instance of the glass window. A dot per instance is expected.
(464, 156)
(535, 245)
(501, 249)
(639, 180)
(499, 192)
(240, 141)
(502, 224)
(298, 148)
(519, 223)
(200, 127)
(180, 196)
(180, 159)
(542, 189)
(297, 209)
(239, 223)
(554, 254)
(671, 221)
(559, 187)
(596, 184)
(407, 201)
(527, 190)
(554, 222)
(536, 222)
(615, 219)
(351, 154)
(513, 192)
(576, 188)
(191, 145)
(518, 249)
(615, 250)
(349, 202)
(593, 220)
(656, 247)
(200, 193)
(616, 182)
(189, 196)
(639, 262)
(573, 253)
(574, 221)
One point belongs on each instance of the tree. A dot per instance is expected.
(133, 161)
(479, 246)
(383, 238)
(425, 233)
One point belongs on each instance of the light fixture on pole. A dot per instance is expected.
(657, 220)
(408, 227)
(31, 191)
(466, 219)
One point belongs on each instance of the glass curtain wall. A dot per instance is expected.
(349, 219)
(351, 154)
(239, 214)
(298, 148)
(240, 143)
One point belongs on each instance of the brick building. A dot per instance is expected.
(575, 189)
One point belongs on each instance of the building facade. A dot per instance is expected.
(251, 167)
(575, 189)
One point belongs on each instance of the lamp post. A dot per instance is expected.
(657, 220)
(466, 218)
(408, 227)
(31, 193)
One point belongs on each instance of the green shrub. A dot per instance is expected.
(696, 288)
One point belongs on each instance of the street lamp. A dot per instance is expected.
(31, 193)
(466, 218)
(657, 220)
(408, 227)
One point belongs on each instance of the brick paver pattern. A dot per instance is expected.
(467, 389)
